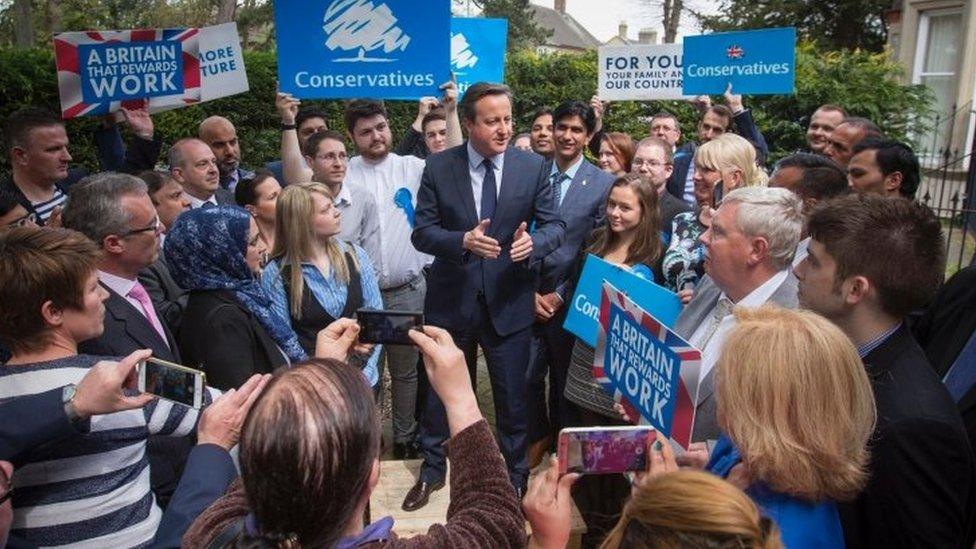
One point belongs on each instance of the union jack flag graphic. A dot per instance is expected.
(735, 52)
(70, 66)
(683, 418)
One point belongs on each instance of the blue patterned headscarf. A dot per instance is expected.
(205, 250)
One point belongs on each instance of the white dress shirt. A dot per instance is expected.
(398, 262)
(802, 251)
(713, 348)
(196, 202)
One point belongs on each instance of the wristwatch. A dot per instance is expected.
(67, 399)
(286, 127)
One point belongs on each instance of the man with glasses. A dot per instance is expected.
(114, 210)
(12, 212)
(653, 160)
(324, 161)
(194, 166)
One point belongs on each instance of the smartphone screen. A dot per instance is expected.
(172, 382)
(718, 192)
(388, 327)
(600, 450)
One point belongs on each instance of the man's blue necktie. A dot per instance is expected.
(489, 192)
(962, 375)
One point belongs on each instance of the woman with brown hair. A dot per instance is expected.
(616, 153)
(797, 408)
(629, 238)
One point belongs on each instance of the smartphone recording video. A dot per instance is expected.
(172, 382)
(603, 450)
(387, 327)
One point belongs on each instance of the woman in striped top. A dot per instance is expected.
(90, 490)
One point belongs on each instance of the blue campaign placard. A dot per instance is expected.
(119, 71)
(642, 367)
(478, 50)
(584, 308)
(383, 49)
(755, 62)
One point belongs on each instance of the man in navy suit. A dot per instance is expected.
(473, 210)
(580, 192)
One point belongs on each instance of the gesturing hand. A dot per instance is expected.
(337, 339)
(521, 243)
(481, 244)
(597, 105)
(221, 422)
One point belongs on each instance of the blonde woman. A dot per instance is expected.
(313, 278)
(797, 410)
(721, 165)
(691, 509)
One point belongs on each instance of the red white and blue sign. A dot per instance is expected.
(646, 367)
(100, 70)
(755, 62)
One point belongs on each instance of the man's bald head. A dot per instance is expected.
(221, 136)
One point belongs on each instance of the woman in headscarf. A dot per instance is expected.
(229, 329)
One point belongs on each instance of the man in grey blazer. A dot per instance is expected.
(579, 190)
(749, 247)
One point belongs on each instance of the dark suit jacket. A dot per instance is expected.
(921, 488)
(669, 206)
(945, 328)
(241, 175)
(222, 338)
(32, 420)
(583, 209)
(445, 211)
(167, 297)
(699, 310)
(225, 197)
(743, 125)
(209, 472)
(128, 330)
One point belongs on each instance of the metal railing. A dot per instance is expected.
(949, 183)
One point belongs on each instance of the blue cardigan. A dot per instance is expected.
(802, 524)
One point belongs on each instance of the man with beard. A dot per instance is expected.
(221, 136)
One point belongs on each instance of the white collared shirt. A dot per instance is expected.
(756, 298)
(397, 262)
(196, 202)
(802, 251)
(477, 173)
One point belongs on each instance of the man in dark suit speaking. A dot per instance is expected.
(473, 210)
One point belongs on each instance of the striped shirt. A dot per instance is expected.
(90, 490)
(331, 295)
(45, 208)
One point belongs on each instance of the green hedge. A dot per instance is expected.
(866, 84)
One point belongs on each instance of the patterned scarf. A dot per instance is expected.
(205, 250)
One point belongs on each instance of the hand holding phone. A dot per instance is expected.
(172, 382)
(387, 327)
(602, 450)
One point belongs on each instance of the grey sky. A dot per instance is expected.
(601, 17)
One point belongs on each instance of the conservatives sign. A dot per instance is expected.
(754, 62)
(393, 49)
(478, 50)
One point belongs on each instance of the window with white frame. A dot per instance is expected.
(936, 65)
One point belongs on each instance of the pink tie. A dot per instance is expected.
(139, 294)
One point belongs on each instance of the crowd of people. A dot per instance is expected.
(836, 401)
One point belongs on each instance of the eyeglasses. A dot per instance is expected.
(637, 163)
(6, 489)
(156, 226)
(24, 220)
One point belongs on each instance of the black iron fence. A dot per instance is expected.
(948, 185)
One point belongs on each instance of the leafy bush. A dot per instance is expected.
(866, 84)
